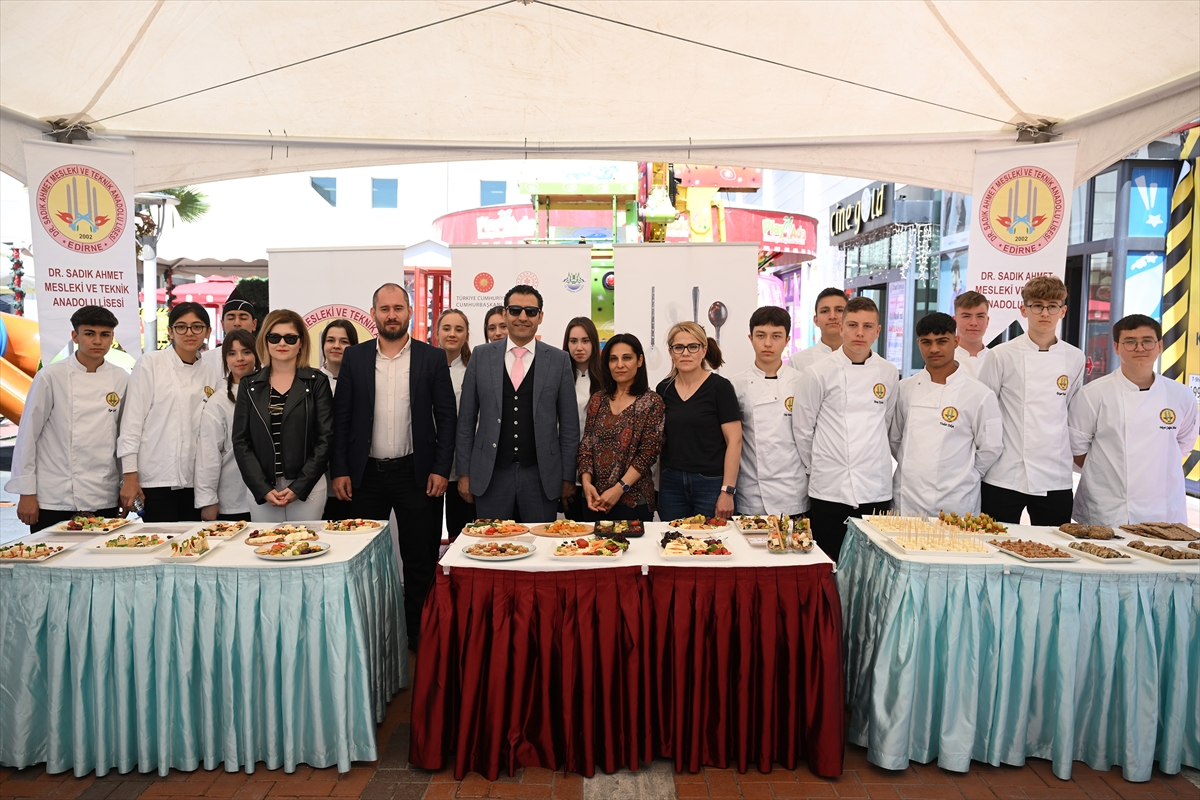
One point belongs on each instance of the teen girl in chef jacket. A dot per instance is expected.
(236, 315)
(1035, 376)
(65, 460)
(453, 336)
(161, 422)
(841, 419)
(220, 491)
(581, 340)
(1130, 431)
(771, 479)
(946, 430)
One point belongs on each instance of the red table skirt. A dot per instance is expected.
(605, 667)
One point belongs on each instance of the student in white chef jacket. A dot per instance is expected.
(220, 491)
(1130, 431)
(236, 315)
(1035, 376)
(831, 305)
(771, 479)
(65, 459)
(946, 432)
(161, 422)
(972, 318)
(841, 419)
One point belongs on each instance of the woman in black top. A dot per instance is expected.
(283, 425)
(703, 434)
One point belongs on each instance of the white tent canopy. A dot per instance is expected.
(893, 89)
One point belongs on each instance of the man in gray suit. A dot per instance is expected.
(518, 422)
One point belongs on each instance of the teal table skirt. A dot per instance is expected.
(998, 662)
(153, 667)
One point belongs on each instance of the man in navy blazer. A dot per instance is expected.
(393, 440)
(518, 423)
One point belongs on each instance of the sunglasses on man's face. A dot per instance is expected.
(530, 311)
(276, 338)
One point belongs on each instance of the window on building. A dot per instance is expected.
(1104, 205)
(1079, 199)
(327, 188)
(383, 192)
(493, 193)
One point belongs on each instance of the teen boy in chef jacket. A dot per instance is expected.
(841, 419)
(946, 431)
(1130, 431)
(831, 305)
(236, 315)
(1035, 376)
(971, 316)
(771, 479)
(65, 459)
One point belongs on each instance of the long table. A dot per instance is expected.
(584, 663)
(125, 662)
(996, 660)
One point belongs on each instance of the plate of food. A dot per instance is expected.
(1170, 531)
(133, 543)
(561, 528)
(85, 524)
(972, 523)
(945, 541)
(224, 529)
(629, 528)
(499, 551)
(1033, 552)
(1076, 532)
(357, 525)
(701, 523)
(600, 546)
(193, 548)
(1098, 552)
(494, 527)
(675, 545)
(292, 551)
(1165, 553)
(285, 533)
(756, 523)
(31, 551)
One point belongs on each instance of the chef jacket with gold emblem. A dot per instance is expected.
(1135, 443)
(1034, 388)
(162, 418)
(970, 364)
(66, 450)
(809, 356)
(218, 480)
(841, 419)
(945, 438)
(771, 479)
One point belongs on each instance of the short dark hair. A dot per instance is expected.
(522, 288)
(641, 380)
(1133, 322)
(189, 308)
(862, 304)
(772, 316)
(389, 285)
(98, 316)
(970, 300)
(831, 291)
(936, 324)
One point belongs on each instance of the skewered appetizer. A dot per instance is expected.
(801, 536)
(593, 546)
(1098, 550)
(357, 524)
(32, 550)
(497, 549)
(972, 523)
(943, 541)
(699, 523)
(191, 546)
(1164, 551)
(494, 527)
(776, 541)
(140, 540)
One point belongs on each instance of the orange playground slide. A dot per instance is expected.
(20, 351)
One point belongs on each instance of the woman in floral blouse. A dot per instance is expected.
(622, 437)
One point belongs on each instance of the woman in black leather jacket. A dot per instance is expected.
(283, 425)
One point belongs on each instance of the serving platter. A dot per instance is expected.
(190, 559)
(540, 530)
(1155, 557)
(325, 547)
(368, 526)
(1029, 560)
(101, 547)
(891, 540)
(59, 549)
(1063, 535)
(1101, 559)
(232, 528)
(110, 525)
(496, 559)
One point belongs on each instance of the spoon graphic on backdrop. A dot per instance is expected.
(718, 314)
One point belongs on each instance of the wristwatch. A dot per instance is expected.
(625, 487)
(730, 490)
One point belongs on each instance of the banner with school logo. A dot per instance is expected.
(81, 203)
(1021, 211)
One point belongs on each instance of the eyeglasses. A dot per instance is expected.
(1130, 345)
(181, 328)
(530, 311)
(680, 349)
(1037, 309)
(276, 338)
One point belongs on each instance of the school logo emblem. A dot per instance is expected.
(1167, 416)
(208, 391)
(574, 282)
(81, 208)
(528, 278)
(949, 413)
(484, 282)
(1063, 383)
(112, 398)
(789, 403)
(880, 390)
(1022, 211)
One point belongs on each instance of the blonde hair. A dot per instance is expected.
(1043, 287)
(284, 316)
(712, 355)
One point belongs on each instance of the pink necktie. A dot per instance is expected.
(518, 370)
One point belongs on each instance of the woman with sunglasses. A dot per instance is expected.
(703, 446)
(283, 425)
(161, 421)
(220, 491)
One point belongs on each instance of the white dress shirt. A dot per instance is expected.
(771, 479)
(67, 441)
(583, 394)
(391, 428)
(457, 371)
(510, 358)
(809, 356)
(972, 364)
(332, 380)
(218, 479)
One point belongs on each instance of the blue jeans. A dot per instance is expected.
(684, 494)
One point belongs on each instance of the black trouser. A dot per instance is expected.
(46, 517)
(576, 507)
(1006, 505)
(164, 504)
(337, 509)
(389, 486)
(458, 512)
(237, 516)
(828, 521)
